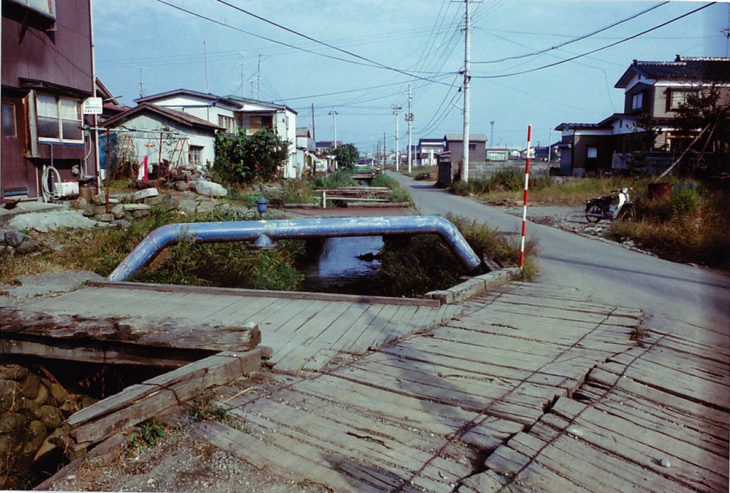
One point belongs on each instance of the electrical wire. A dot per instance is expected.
(328, 45)
(574, 40)
(629, 38)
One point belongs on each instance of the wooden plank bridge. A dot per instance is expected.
(523, 388)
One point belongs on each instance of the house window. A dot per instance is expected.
(195, 155)
(637, 101)
(227, 122)
(592, 152)
(59, 118)
(472, 147)
(9, 128)
(677, 98)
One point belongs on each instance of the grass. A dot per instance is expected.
(426, 173)
(397, 193)
(414, 265)
(692, 225)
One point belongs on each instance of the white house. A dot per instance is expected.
(234, 113)
(162, 134)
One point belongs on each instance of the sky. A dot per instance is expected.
(354, 60)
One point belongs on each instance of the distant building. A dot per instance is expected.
(449, 161)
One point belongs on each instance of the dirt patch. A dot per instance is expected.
(181, 460)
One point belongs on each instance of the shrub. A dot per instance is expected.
(460, 188)
(339, 178)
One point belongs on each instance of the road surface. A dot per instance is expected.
(676, 298)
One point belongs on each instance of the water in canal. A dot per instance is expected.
(344, 264)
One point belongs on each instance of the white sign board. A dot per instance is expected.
(93, 106)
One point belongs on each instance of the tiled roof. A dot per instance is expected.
(576, 126)
(699, 69)
(472, 137)
(174, 115)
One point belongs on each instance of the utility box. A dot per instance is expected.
(66, 189)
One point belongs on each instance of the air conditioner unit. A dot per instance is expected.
(66, 189)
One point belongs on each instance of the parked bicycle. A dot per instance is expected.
(618, 205)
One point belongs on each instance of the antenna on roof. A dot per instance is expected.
(141, 84)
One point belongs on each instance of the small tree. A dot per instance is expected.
(704, 121)
(245, 158)
(346, 155)
(642, 140)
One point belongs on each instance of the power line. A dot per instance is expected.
(299, 48)
(597, 49)
(575, 40)
(328, 45)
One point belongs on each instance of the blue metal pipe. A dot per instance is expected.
(264, 231)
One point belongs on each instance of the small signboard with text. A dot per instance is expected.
(93, 106)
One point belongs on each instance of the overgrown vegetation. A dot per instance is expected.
(511, 182)
(691, 225)
(340, 178)
(413, 265)
(346, 155)
(243, 158)
(397, 193)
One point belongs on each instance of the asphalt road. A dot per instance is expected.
(676, 298)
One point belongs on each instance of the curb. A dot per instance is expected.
(475, 286)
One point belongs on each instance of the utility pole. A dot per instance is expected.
(467, 52)
(396, 110)
(314, 134)
(409, 119)
(385, 151)
(205, 56)
(491, 134)
(258, 80)
(333, 114)
(141, 84)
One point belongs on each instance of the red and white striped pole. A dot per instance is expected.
(524, 209)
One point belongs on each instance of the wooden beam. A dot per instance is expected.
(165, 332)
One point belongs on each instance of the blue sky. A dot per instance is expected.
(385, 45)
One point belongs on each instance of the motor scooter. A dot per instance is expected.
(618, 205)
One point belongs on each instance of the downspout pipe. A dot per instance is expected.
(260, 232)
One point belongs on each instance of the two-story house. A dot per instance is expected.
(233, 113)
(653, 89)
(47, 74)
(428, 150)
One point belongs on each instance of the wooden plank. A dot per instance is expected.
(429, 416)
(670, 361)
(168, 332)
(663, 399)
(691, 465)
(521, 474)
(118, 355)
(462, 386)
(300, 295)
(305, 462)
(683, 385)
(659, 417)
(293, 354)
(587, 466)
(342, 439)
(141, 402)
(372, 332)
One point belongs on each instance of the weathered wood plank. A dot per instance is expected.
(305, 462)
(659, 398)
(691, 465)
(587, 466)
(419, 413)
(168, 332)
(119, 355)
(300, 295)
(682, 384)
(141, 402)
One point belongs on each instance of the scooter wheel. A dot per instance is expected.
(594, 214)
(628, 213)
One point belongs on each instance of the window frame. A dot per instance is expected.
(637, 98)
(591, 150)
(59, 119)
(11, 107)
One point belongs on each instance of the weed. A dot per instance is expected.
(203, 410)
(148, 434)
(340, 178)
